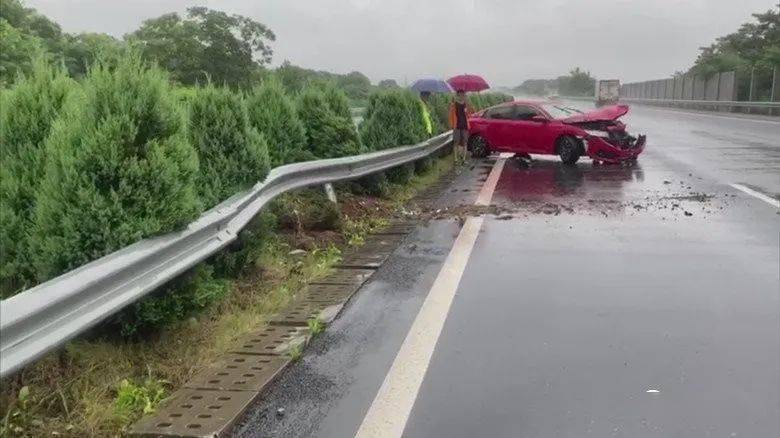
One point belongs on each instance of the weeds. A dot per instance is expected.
(133, 400)
(296, 352)
(18, 418)
(315, 326)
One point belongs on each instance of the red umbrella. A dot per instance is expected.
(468, 83)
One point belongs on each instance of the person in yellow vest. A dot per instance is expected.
(426, 112)
(459, 122)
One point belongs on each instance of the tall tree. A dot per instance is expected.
(27, 112)
(576, 83)
(206, 45)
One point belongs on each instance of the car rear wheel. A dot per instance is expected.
(479, 147)
(569, 149)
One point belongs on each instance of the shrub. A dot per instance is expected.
(440, 106)
(393, 118)
(337, 101)
(188, 294)
(307, 210)
(273, 113)
(27, 112)
(233, 155)
(328, 135)
(118, 169)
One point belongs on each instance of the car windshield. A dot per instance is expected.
(560, 111)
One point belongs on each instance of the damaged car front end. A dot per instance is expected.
(605, 137)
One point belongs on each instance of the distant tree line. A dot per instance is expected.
(200, 46)
(577, 83)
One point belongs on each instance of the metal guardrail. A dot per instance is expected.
(46, 316)
(711, 103)
(688, 102)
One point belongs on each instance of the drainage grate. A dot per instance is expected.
(380, 242)
(397, 228)
(299, 313)
(329, 293)
(195, 413)
(345, 276)
(240, 372)
(272, 340)
(363, 261)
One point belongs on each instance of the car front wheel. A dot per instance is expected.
(569, 149)
(479, 147)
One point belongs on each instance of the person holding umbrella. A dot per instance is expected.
(459, 122)
(460, 110)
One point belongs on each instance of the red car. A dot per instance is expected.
(551, 128)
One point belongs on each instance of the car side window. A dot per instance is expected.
(523, 112)
(500, 113)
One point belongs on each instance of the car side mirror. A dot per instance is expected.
(539, 119)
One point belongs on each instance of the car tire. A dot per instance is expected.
(569, 149)
(479, 147)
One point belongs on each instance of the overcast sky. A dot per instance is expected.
(506, 41)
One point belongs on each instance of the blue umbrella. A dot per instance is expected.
(431, 86)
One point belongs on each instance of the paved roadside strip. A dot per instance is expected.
(215, 398)
(389, 412)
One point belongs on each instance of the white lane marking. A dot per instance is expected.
(766, 198)
(389, 412)
(747, 119)
(486, 194)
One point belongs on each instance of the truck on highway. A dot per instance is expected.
(607, 91)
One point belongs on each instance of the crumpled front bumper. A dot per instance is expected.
(599, 149)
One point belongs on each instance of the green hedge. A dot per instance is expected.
(440, 104)
(27, 112)
(233, 155)
(338, 102)
(393, 118)
(328, 134)
(90, 168)
(119, 168)
(273, 113)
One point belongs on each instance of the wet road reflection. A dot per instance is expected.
(542, 180)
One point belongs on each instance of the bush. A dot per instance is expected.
(393, 118)
(119, 169)
(273, 114)
(440, 106)
(337, 101)
(328, 135)
(307, 210)
(27, 112)
(191, 293)
(233, 155)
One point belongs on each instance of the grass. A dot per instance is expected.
(295, 352)
(315, 326)
(98, 385)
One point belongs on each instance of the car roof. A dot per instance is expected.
(527, 102)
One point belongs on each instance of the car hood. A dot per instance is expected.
(605, 114)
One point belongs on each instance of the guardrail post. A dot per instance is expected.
(330, 193)
(775, 87)
(752, 87)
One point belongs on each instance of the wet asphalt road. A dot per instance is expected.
(591, 287)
